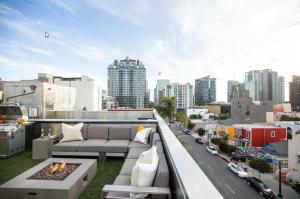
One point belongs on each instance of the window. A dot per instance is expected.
(298, 158)
(248, 134)
(272, 134)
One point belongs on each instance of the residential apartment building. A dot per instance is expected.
(183, 94)
(231, 84)
(159, 90)
(205, 90)
(265, 85)
(126, 82)
(294, 88)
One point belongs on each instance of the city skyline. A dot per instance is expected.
(138, 30)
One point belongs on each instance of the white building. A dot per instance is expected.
(108, 102)
(195, 111)
(159, 91)
(294, 157)
(183, 94)
(89, 94)
(40, 96)
(126, 82)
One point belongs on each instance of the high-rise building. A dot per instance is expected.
(126, 82)
(231, 84)
(159, 90)
(265, 85)
(295, 93)
(183, 94)
(205, 90)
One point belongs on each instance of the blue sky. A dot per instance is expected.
(183, 40)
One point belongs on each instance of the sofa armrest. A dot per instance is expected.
(135, 189)
(56, 138)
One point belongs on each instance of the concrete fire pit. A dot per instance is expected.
(71, 187)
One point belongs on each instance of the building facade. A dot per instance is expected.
(250, 135)
(159, 90)
(205, 90)
(88, 94)
(294, 157)
(40, 97)
(244, 110)
(126, 82)
(231, 84)
(183, 94)
(265, 85)
(294, 88)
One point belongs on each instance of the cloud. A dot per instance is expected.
(132, 11)
(7, 61)
(64, 5)
(21, 26)
(5, 10)
(38, 50)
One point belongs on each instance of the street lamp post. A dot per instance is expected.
(279, 194)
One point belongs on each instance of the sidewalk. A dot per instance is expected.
(268, 179)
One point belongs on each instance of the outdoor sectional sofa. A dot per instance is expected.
(104, 139)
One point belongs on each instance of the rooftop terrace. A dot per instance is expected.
(183, 169)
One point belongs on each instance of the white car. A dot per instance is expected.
(212, 150)
(239, 171)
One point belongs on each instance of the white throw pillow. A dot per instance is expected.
(143, 135)
(144, 170)
(71, 133)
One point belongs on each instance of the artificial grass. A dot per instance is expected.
(106, 172)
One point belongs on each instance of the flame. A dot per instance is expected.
(58, 167)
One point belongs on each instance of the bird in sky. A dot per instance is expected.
(47, 35)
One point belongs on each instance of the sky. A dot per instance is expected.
(181, 39)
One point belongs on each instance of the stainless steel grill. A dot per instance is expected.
(12, 137)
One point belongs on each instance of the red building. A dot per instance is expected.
(251, 135)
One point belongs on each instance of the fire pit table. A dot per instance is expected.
(53, 178)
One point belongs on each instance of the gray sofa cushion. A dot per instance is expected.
(134, 153)
(92, 145)
(120, 180)
(159, 147)
(116, 146)
(134, 130)
(162, 174)
(97, 132)
(84, 131)
(119, 133)
(155, 138)
(71, 146)
(127, 166)
(134, 144)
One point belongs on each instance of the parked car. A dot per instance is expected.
(187, 131)
(260, 187)
(236, 169)
(200, 140)
(239, 158)
(212, 150)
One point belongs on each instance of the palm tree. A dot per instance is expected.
(168, 108)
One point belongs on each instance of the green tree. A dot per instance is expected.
(182, 118)
(167, 108)
(201, 132)
(190, 124)
(260, 165)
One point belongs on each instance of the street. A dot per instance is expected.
(229, 185)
